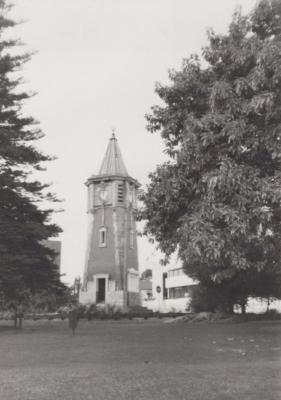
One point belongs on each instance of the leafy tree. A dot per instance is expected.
(146, 274)
(217, 201)
(26, 265)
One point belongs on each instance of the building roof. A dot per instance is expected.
(113, 163)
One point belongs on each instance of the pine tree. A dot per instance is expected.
(26, 265)
(218, 200)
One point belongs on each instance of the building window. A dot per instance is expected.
(180, 292)
(131, 239)
(120, 192)
(102, 237)
(165, 290)
(175, 272)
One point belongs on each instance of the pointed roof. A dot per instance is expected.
(113, 163)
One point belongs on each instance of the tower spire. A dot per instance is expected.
(113, 163)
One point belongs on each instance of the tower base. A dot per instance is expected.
(102, 292)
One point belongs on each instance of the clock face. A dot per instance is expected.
(103, 194)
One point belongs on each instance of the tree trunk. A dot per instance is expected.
(268, 304)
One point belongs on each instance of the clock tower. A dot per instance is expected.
(111, 267)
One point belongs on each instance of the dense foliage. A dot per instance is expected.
(26, 265)
(218, 200)
(147, 274)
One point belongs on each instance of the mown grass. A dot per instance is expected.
(141, 360)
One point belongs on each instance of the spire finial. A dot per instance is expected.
(113, 134)
(113, 163)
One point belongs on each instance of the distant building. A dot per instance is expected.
(111, 274)
(259, 305)
(171, 289)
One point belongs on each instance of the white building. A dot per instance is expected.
(171, 289)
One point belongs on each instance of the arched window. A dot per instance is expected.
(102, 237)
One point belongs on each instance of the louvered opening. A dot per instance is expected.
(120, 193)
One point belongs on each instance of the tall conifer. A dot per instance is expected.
(25, 263)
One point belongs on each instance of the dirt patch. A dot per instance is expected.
(222, 318)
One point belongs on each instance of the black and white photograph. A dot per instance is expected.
(140, 200)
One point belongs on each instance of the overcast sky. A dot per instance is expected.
(96, 65)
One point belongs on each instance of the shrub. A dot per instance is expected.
(210, 299)
(272, 313)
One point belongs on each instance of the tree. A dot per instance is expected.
(217, 200)
(147, 274)
(26, 265)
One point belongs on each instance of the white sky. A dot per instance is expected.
(96, 65)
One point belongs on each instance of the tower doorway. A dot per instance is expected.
(101, 290)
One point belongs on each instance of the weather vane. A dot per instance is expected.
(113, 133)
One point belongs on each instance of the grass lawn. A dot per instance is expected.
(137, 360)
